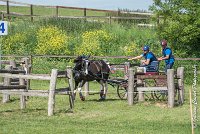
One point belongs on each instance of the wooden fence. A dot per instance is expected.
(170, 85)
(31, 15)
(21, 89)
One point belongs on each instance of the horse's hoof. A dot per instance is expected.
(82, 98)
(102, 99)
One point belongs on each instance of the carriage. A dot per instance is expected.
(149, 83)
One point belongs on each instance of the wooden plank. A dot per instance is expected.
(12, 87)
(62, 72)
(151, 77)
(12, 71)
(62, 92)
(61, 76)
(151, 88)
(41, 93)
(28, 76)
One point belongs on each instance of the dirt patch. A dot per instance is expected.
(162, 105)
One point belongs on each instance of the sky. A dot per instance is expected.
(96, 4)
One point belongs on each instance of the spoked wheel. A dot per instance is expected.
(161, 95)
(122, 92)
(149, 95)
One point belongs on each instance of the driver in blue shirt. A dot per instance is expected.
(148, 55)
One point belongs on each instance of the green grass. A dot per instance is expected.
(93, 116)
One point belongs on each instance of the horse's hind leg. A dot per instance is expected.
(104, 88)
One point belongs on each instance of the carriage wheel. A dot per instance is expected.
(163, 95)
(122, 92)
(149, 95)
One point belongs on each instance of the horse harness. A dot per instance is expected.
(98, 66)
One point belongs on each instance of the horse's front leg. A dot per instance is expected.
(75, 89)
(104, 89)
(80, 89)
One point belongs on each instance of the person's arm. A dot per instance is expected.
(168, 52)
(146, 62)
(163, 58)
(137, 57)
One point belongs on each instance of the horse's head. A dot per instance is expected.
(80, 61)
(81, 58)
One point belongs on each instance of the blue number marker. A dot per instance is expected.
(2, 29)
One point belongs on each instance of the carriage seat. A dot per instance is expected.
(153, 66)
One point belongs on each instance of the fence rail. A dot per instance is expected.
(70, 56)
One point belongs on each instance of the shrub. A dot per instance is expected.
(52, 41)
(94, 43)
(15, 44)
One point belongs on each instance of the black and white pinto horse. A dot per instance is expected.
(89, 70)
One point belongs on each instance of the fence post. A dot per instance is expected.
(7, 82)
(22, 97)
(2, 16)
(171, 87)
(27, 68)
(110, 20)
(86, 86)
(8, 10)
(56, 11)
(71, 86)
(130, 86)
(126, 67)
(31, 10)
(51, 102)
(85, 12)
(13, 63)
(180, 75)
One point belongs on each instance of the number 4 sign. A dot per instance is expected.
(3, 27)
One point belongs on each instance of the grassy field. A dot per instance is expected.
(93, 116)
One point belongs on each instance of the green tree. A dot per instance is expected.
(179, 23)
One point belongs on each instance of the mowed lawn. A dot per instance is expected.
(113, 116)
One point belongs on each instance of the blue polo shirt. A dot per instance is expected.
(149, 56)
(168, 51)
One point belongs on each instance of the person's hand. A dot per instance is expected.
(159, 59)
(143, 62)
(130, 59)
